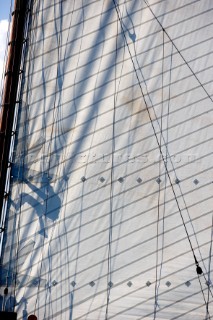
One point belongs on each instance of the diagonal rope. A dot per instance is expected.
(157, 140)
(198, 268)
(170, 39)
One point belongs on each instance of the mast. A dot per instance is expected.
(10, 91)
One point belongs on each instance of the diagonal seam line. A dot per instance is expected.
(158, 143)
(170, 39)
(154, 131)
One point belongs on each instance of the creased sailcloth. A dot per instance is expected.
(111, 189)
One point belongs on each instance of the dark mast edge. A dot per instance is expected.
(10, 90)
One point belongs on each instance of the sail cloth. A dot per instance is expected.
(110, 211)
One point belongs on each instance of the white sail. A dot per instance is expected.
(110, 211)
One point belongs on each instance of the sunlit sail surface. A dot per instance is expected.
(110, 209)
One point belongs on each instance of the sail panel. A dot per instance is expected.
(111, 189)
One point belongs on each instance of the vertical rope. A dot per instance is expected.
(157, 281)
(198, 268)
(109, 275)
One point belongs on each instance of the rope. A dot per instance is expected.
(48, 170)
(109, 275)
(209, 271)
(193, 73)
(19, 214)
(198, 268)
(157, 282)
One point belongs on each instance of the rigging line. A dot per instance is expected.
(109, 275)
(157, 281)
(97, 114)
(18, 216)
(118, 80)
(64, 173)
(122, 67)
(169, 100)
(166, 143)
(44, 83)
(64, 58)
(94, 90)
(1, 95)
(33, 32)
(194, 74)
(170, 160)
(167, 150)
(209, 280)
(178, 184)
(49, 152)
(206, 304)
(190, 221)
(151, 122)
(26, 122)
(198, 268)
(132, 36)
(57, 115)
(82, 21)
(167, 125)
(180, 188)
(26, 117)
(76, 73)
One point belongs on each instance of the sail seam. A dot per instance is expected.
(198, 268)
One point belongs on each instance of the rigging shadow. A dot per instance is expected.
(7, 303)
(46, 204)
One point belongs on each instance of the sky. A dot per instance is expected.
(4, 22)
